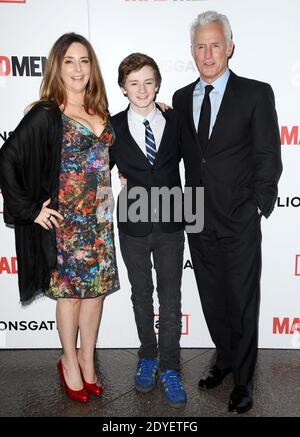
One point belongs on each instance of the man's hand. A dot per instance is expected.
(163, 106)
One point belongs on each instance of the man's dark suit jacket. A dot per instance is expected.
(241, 165)
(135, 167)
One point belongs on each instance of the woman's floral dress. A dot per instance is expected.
(86, 261)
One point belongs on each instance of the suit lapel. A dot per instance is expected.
(166, 134)
(224, 110)
(135, 148)
(190, 111)
(128, 139)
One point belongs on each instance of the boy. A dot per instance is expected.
(146, 152)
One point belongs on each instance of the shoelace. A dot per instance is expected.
(147, 368)
(172, 381)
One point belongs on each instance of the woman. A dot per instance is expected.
(55, 181)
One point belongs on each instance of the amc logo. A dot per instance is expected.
(184, 321)
(297, 265)
(286, 325)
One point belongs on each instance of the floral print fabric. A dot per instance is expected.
(86, 261)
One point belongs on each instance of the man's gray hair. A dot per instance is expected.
(211, 17)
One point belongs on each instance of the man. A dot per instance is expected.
(231, 147)
(146, 152)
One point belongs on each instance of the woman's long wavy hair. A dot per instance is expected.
(52, 88)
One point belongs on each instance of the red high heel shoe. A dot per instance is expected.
(93, 388)
(75, 395)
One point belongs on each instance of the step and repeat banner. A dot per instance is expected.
(266, 35)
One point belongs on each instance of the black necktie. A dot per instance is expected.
(204, 119)
(150, 142)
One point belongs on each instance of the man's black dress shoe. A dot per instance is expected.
(240, 399)
(214, 377)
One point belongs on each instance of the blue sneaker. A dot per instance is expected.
(145, 375)
(174, 392)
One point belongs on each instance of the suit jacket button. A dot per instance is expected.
(152, 170)
(203, 160)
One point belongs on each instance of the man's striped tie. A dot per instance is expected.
(150, 143)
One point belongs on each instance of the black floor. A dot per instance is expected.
(30, 387)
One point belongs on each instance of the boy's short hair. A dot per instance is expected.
(134, 62)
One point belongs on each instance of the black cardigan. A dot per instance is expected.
(29, 175)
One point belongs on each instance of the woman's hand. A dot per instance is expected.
(47, 217)
(123, 180)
